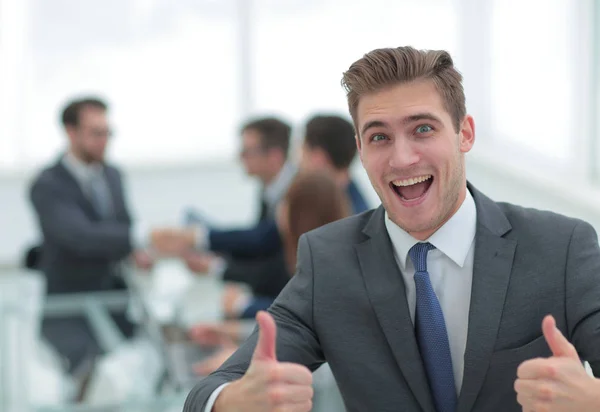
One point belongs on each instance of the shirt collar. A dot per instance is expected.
(82, 171)
(453, 239)
(275, 190)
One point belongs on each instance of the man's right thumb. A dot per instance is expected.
(265, 347)
(558, 344)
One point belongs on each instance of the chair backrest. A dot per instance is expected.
(31, 259)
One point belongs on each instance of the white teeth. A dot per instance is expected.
(411, 181)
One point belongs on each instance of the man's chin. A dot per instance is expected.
(412, 222)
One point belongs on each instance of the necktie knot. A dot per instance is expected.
(418, 255)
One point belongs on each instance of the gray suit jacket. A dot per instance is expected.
(79, 250)
(347, 305)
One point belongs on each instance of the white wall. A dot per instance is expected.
(159, 195)
(571, 197)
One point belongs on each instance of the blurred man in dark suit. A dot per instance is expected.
(264, 155)
(264, 152)
(86, 226)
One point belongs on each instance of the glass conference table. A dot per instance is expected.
(164, 303)
(166, 297)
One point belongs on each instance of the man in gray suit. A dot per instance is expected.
(432, 301)
(86, 226)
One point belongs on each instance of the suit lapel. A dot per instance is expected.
(70, 180)
(492, 267)
(387, 294)
(115, 192)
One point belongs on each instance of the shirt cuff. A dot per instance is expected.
(241, 304)
(139, 236)
(213, 398)
(201, 239)
(218, 267)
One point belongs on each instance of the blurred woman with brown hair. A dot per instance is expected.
(314, 199)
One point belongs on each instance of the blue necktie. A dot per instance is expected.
(432, 336)
(100, 196)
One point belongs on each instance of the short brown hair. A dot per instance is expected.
(387, 67)
(335, 136)
(71, 112)
(313, 200)
(274, 133)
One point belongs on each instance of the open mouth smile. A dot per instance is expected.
(412, 191)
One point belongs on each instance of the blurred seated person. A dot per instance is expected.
(86, 226)
(329, 145)
(265, 276)
(264, 155)
(313, 200)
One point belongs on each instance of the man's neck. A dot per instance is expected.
(427, 234)
(270, 178)
(78, 158)
(82, 163)
(342, 177)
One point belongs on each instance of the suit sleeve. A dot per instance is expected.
(583, 294)
(63, 222)
(296, 339)
(266, 276)
(122, 189)
(260, 240)
(256, 305)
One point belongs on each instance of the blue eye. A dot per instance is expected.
(378, 137)
(424, 128)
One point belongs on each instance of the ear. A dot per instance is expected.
(467, 134)
(277, 155)
(71, 132)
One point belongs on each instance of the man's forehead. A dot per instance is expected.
(252, 136)
(92, 113)
(399, 102)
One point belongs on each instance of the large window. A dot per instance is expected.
(533, 75)
(181, 75)
(169, 70)
(540, 85)
(12, 37)
(595, 107)
(301, 48)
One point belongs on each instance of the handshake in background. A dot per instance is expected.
(186, 242)
(173, 241)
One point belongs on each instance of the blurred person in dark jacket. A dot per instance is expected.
(313, 200)
(81, 208)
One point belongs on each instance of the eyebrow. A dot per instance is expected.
(371, 124)
(421, 116)
(409, 119)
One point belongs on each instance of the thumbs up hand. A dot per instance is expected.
(558, 383)
(268, 385)
(559, 345)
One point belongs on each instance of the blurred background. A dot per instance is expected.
(181, 77)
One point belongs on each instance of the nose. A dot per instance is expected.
(404, 154)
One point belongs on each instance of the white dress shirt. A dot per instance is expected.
(276, 189)
(450, 267)
(83, 173)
